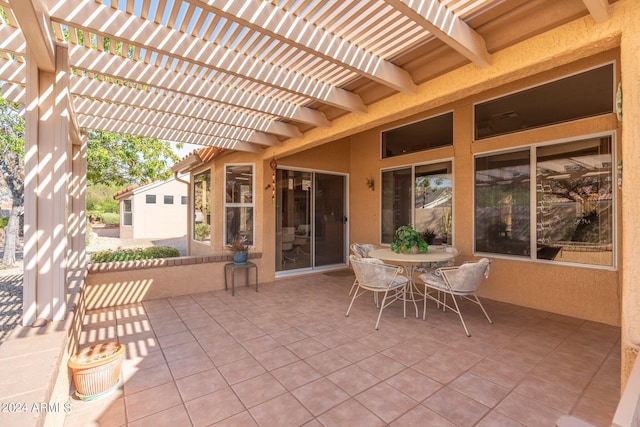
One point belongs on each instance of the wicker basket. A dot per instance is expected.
(96, 369)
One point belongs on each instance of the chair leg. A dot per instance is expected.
(404, 302)
(460, 315)
(355, 284)
(355, 295)
(381, 308)
(482, 307)
(424, 305)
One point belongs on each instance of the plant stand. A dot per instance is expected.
(96, 370)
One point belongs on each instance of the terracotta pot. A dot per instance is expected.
(96, 369)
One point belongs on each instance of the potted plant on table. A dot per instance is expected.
(240, 249)
(406, 240)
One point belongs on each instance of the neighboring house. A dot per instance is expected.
(153, 210)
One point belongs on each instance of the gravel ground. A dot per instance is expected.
(11, 277)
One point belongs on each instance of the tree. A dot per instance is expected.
(12, 169)
(121, 160)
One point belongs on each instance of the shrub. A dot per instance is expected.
(110, 218)
(3, 222)
(135, 254)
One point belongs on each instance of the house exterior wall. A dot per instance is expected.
(159, 220)
(580, 292)
(604, 295)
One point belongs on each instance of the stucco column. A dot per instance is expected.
(630, 74)
(47, 173)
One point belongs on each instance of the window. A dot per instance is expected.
(168, 200)
(572, 211)
(419, 195)
(151, 199)
(202, 206)
(426, 134)
(126, 212)
(551, 103)
(183, 200)
(502, 211)
(574, 186)
(239, 202)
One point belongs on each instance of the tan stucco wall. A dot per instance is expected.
(120, 283)
(588, 293)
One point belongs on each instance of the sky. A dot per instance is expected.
(186, 149)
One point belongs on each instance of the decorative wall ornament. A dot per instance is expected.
(370, 184)
(619, 102)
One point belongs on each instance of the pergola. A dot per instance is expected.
(246, 75)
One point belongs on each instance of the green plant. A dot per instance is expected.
(202, 231)
(4, 221)
(110, 218)
(135, 254)
(407, 240)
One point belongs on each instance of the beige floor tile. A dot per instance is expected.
(287, 355)
(386, 402)
(320, 395)
(296, 374)
(350, 413)
(456, 407)
(151, 401)
(479, 389)
(257, 390)
(414, 384)
(214, 407)
(200, 384)
(528, 411)
(241, 370)
(172, 417)
(283, 410)
(421, 416)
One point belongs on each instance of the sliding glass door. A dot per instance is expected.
(310, 219)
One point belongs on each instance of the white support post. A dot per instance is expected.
(47, 175)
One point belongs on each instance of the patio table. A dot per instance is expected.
(410, 261)
(232, 266)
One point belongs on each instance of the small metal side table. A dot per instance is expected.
(246, 266)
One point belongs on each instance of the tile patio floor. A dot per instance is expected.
(288, 356)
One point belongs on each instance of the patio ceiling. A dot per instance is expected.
(250, 74)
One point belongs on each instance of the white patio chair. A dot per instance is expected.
(373, 275)
(461, 281)
(361, 250)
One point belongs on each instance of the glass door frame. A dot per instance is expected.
(313, 268)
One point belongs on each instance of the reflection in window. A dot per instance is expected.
(433, 194)
(502, 211)
(202, 206)
(572, 209)
(575, 202)
(429, 188)
(239, 202)
(424, 135)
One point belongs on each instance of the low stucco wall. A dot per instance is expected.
(34, 377)
(120, 283)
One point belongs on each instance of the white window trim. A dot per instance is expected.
(239, 205)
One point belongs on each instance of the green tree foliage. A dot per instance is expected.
(122, 160)
(100, 199)
(12, 169)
